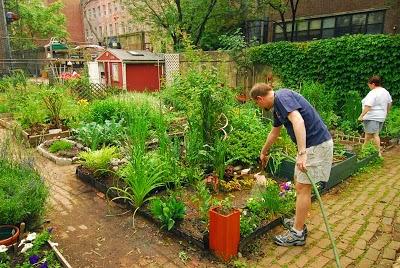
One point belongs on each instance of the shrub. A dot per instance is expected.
(391, 128)
(60, 145)
(248, 134)
(168, 211)
(17, 183)
(108, 109)
(313, 92)
(342, 64)
(98, 161)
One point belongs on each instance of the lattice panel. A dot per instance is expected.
(171, 66)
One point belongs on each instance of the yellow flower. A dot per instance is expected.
(83, 102)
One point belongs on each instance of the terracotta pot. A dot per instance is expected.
(224, 233)
(8, 234)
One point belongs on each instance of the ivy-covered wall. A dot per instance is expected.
(341, 64)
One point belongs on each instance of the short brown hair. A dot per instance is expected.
(376, 79)
(260, 89)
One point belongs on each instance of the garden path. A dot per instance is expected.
(364, 212)
(88, 237)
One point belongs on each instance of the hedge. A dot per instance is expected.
(341, 64)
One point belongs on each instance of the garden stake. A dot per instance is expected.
(321, 205)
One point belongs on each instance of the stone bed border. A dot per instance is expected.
(61, 161)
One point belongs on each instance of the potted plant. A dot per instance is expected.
(224, 230)
(8, 234)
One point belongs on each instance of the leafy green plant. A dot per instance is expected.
(367, 150)
(60, 145)
(53, 100)
(108, 109)
(391, 128)
(99, 161)
(17, 182)
(225, 206)
(249, 222)
(26, 101)
(313, 91)
(204, 199)
(168, 211)
(95, 135)
(142, 174)
(217, 156)
(247, 135)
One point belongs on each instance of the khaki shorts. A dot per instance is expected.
(319, 163)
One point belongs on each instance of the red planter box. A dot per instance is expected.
(224, 233)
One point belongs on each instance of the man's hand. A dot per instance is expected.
(301, 162)
(360, 118)
(264, 159)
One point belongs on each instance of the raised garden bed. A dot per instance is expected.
(361, 163)
(63, 157)
(102, 185)
(33, 139)
(339, 171)
(190, 229)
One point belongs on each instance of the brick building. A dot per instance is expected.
(317, 19)
(108, 21)
(73, 13)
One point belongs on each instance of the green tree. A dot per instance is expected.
(37, 21)
(176, 17)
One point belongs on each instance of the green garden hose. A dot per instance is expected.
(321, 205)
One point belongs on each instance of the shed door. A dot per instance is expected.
(143, 77)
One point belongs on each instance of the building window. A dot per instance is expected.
(328, 28)
(115, 6)
(106, 31)
(371, 22)
(110, 27)
(116, 28)
(94, 12)
(100, 31)
(256, 31)
(104, 10)
(358, 24)
(375, 22)
(98, 11)
(279, 35)
(109, 9)
(122, 27)
(302, 30)
(315, 29)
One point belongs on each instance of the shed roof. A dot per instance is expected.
(135, 55)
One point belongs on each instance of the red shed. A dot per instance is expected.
(132, 70)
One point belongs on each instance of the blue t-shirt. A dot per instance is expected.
(287, 101)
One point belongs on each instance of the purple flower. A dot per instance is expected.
(286, 186)
(43, 265)
(33, 259)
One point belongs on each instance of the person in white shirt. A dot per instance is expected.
(375, 107)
